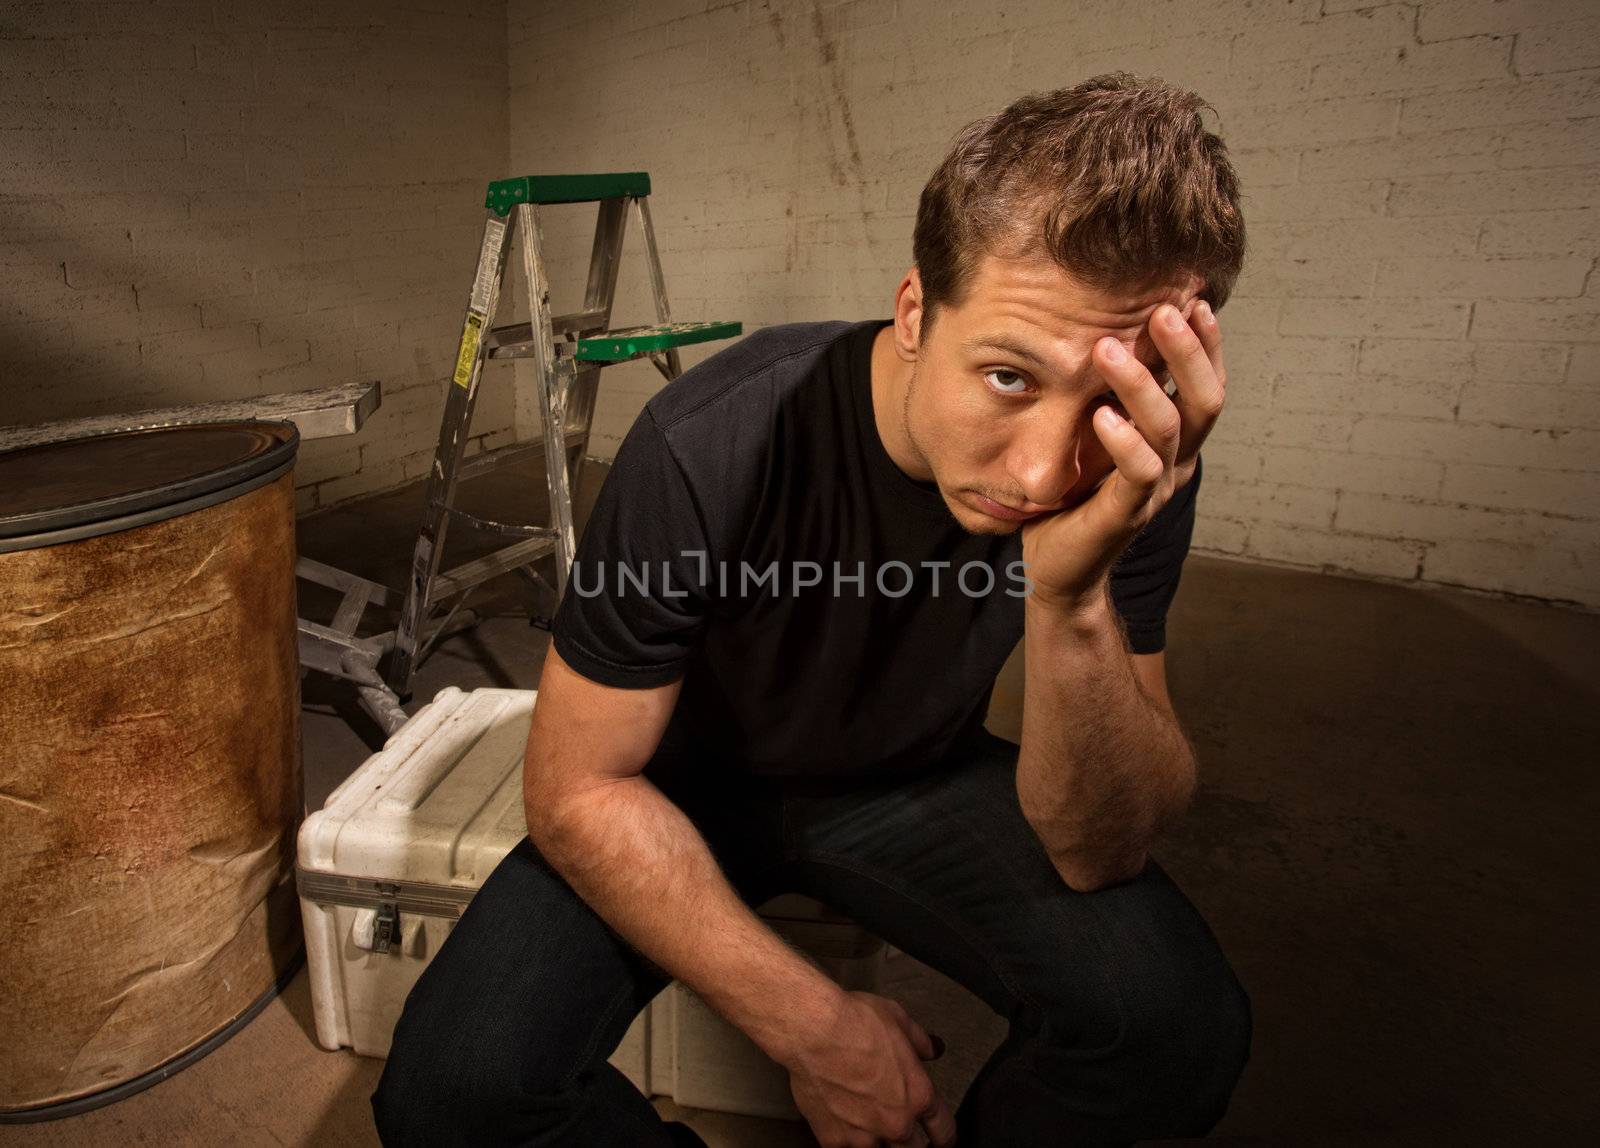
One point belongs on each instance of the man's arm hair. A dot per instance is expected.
(641, 864)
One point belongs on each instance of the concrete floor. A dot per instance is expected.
(1393, 842)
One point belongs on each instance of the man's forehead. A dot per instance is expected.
(1031, 308)
(1006, 284)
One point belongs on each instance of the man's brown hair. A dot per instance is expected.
(1115, 179)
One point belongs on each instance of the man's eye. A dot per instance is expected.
(1010, 382)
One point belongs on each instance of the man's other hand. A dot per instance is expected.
(860, 1082)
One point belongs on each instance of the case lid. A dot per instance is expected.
(440, 804)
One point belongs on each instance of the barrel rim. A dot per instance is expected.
(125, 511)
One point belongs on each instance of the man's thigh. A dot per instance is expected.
(946, 868)
(527, 988)
(533, 988)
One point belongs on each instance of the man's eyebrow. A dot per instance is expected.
(1022, 351)
(1004, 343)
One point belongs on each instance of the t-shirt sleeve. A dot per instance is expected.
(1144, 580)
(636, 602)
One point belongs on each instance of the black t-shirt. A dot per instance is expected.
(758, 471)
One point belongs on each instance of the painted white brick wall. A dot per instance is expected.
(1414, 348)
(218, 200)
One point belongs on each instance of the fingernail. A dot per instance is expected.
(1204, 310)
(938, 1045)
(1114, 351)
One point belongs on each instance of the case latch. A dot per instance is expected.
(386, 922)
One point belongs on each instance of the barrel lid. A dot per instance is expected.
(135, 474)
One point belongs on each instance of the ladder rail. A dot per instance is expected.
(658, 282)
(454, 427)
(552, 388)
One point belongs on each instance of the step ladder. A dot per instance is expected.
(568, 353)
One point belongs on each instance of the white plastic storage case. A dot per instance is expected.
(388, 864)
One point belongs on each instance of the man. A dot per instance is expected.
(772, 666)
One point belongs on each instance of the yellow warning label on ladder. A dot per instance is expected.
(471, 335)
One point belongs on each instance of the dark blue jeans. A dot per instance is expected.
(1126, 1020)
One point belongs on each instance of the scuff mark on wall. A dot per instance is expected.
(828, 50)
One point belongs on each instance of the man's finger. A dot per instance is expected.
(1139, 468)
(921, 1042)
(938, 1122)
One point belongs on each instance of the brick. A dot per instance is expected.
(1259, 167)
(1481, 193)
(1519, 488)
(1383, 516)
(1431, 360)
(1447, 442)
(305, 500)
(1448, 19)
(1584, 368)
(321, 459)
(1339, 470)
(1314, 122)
(1301, 202)
(229, 311)
(1506, 278)
(1409, 68)
(1252, 360)
(1373, 395)
(1577, 319)
(1415, 318)
(1519, 362)
(233, 374)
(1367, 30)
(1309, 278)
(1394, 238)
(1542, 233)
(1565, 573)
(1269, 427)
(1507, 404)
(195, 344)
(1243, 316)
(1213, 535)
(1411, 155)
(1559, 143)
(1558, 47)
(1278, 502)
(1341, 550)
(1536, 100)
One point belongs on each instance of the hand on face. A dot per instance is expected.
(1069, 554)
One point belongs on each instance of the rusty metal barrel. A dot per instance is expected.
(149, 754)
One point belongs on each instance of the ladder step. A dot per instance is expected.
(516, 340)
(487, 460)
(504, 194)
(479, 570)
(636, 342)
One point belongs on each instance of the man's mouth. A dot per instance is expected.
(1000, 510)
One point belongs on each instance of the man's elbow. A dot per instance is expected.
(1091, 877)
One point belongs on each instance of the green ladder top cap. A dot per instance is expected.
(504, 194)
(617, 346)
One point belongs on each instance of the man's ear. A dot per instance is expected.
(908, 316)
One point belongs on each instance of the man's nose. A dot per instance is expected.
(1043, 461)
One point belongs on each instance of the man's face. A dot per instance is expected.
(1003, 388)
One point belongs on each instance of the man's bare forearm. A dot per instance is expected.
(641, 864)
(1103, 768)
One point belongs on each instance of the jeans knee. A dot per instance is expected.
(1187, 1051)
(1157, 1061)
(431, 1094)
